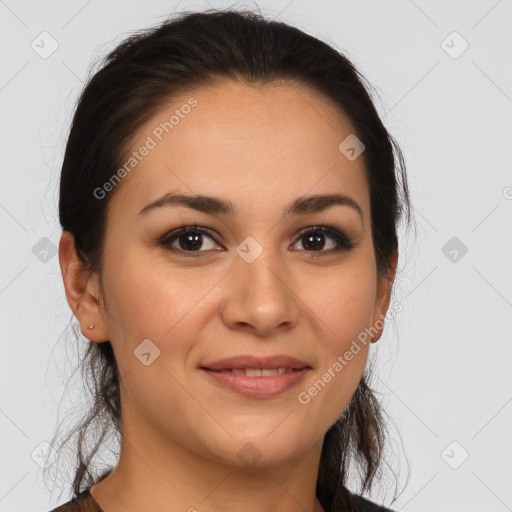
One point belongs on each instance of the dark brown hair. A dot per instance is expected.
(194, 49)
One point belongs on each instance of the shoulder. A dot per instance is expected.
(83, 502)
(365, 505)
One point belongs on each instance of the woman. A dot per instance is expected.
(229, 202)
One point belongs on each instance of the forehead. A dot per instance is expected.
(246, 143)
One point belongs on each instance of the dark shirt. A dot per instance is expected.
(84, 502)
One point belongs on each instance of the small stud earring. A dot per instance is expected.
(91, 326)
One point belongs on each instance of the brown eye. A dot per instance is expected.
(314, 240)
(188, 239)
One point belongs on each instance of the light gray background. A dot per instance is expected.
(444, 371)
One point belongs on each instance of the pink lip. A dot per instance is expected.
(257, 387)
(253, 362)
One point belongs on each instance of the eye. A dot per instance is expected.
(188, 238)
(315, 239)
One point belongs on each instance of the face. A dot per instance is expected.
(252, 282)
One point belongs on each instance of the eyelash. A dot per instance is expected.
(344, 243)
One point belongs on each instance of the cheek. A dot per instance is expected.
(150, 298)
(342, 307)
(153, 299)
(343, 302)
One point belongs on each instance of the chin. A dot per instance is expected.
(259, 449)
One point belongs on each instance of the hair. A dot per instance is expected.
(137, 78)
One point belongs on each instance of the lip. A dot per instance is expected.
(257, 387)
(254, 362)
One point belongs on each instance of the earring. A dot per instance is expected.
(91, 326)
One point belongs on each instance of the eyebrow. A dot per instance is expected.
(215, 205)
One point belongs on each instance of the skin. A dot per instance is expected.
(261, 148)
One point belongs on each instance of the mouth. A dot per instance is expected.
(256, 376)
(257, 372)
(278, 364)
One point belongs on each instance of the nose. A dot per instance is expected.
(260, 297)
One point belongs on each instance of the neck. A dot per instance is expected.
(166, 476)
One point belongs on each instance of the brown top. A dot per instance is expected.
(84, 502)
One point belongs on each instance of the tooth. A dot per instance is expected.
(252, 372)
(257, 372)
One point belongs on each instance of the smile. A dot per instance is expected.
(255, 372)
(257, 383)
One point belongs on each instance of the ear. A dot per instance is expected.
(82, 290)
(383, 297)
